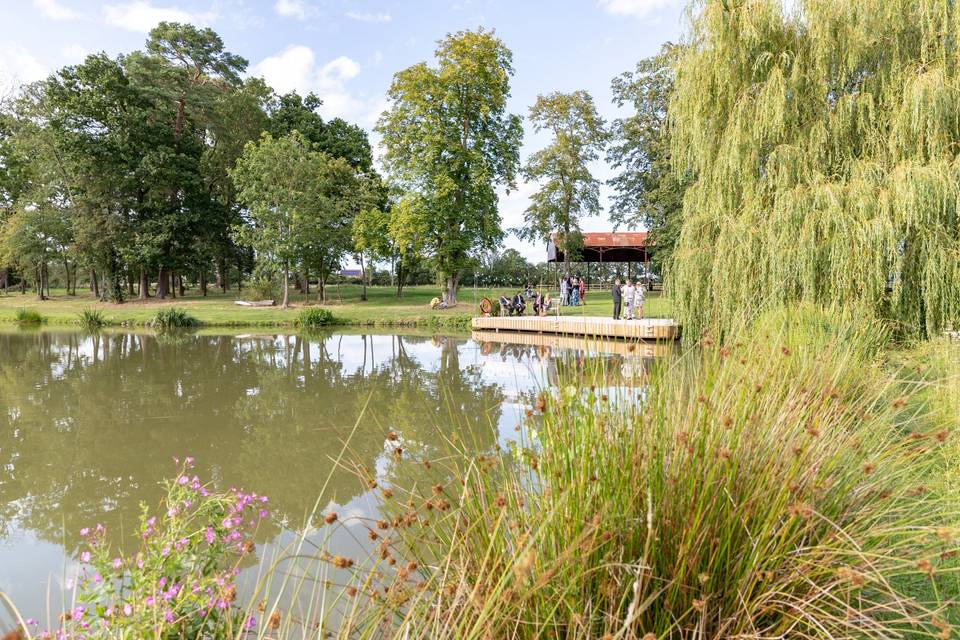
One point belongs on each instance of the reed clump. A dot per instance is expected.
(92, 319)
(789, 483)
(29, 316)
(174, 318)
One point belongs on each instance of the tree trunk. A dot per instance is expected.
(40, 270)
(221, 275)
(183, 290)
(363, 279)
(298, 281)
(450, 293)
(94, 284)
(286, 285)
(322, 285)
(306, 281)
(401, 276)
(172, 286)
(4, 279)
(130, 290)
(144, 292)
(202, 278)
(66, 271)
(163, 281)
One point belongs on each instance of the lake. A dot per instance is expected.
(91, 423)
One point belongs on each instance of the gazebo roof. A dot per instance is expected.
(606, 246)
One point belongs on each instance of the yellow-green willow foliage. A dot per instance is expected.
(825, 142)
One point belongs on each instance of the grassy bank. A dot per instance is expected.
(382, 308)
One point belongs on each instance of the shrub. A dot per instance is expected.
(264, 288)
(29, 316)
(181, 581)
(174, 318)
(92, 318)
(314, 317)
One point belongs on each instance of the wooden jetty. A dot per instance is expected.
(587, 326)
(548, 342)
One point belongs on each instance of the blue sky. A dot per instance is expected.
(348, 50)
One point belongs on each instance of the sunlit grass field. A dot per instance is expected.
(382, 307)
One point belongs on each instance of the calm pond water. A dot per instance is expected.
(90, 424)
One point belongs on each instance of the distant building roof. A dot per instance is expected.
(606, 246)
(350, 273)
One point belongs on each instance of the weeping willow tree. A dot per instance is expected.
(825, 140)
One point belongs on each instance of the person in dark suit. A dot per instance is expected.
(617, 298)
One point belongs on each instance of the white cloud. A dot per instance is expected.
(635, 8)
(366, 16)
(74, 53)
(55, 11)
(18, 66)
(293, 9)
(141, 15)
(296, 69)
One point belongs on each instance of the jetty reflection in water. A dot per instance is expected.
(90, 424)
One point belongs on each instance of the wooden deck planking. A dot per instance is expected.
(488, 341)
(589, 326)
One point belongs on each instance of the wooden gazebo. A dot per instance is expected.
(606, 246)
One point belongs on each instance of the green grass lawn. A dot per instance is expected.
(382, 307)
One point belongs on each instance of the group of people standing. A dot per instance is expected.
(573, 291)
(628, 297)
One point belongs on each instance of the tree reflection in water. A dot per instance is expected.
(89, 424)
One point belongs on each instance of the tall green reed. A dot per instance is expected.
(788, 483)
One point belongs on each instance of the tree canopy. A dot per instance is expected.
(568, 189)
(648, 191)
(121, 166)
(824, 145)
(449, 138)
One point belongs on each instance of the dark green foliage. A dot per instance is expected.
(313, 317)
(174, 318)
(648, 192)
(293, 112)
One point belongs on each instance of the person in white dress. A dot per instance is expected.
(639, 295)
(627, 292)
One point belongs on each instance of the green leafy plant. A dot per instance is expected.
(180, 583)
(174, 318)
(92, 319)
(29, 316)
(313, 317)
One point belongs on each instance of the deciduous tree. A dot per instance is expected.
(568, 190)
(648, 192)
(824, 144)
(449, 139)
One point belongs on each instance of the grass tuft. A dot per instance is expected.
(92, 319)
(29, 316)
(174, 318)
(314, 317)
